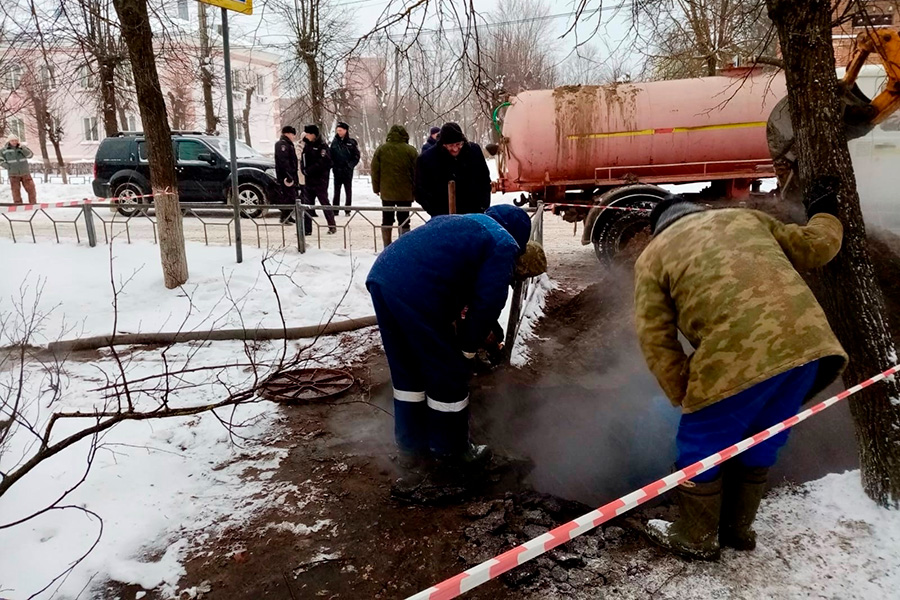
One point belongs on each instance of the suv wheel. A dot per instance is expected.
(250, 194)
(129, 197)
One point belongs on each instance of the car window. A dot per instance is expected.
(142, 150)
(242, 150)
(190, 150)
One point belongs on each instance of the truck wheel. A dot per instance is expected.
(250, 194)
(129, 196)
(615, 229)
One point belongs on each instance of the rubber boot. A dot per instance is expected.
(386, 237)
(695, 534)
(743, 489)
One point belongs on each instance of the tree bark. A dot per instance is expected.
(206, 76)
(107, 76)
(854, 302)
(248, 99)
(135, 24)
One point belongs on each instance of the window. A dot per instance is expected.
(864, 19)
(142, 150)
(191, 150)
(131, 123)
(91, 132)
(236, 79)
(260, 84)
(85, 77)
(181, 10)
(17, 128)
(48, 76)
(13, 77)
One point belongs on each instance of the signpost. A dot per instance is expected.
(244, 7)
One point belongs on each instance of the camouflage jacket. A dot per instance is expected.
(727, 279)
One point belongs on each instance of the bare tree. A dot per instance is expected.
(587, 65)
(207, 78)
(315, 49)
(135, 26)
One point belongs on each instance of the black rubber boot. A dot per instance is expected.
(695, 534)
(743, 489)
(386, 237)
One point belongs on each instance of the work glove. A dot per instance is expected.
(822, 196)
(532, 262)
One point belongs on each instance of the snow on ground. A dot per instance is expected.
(160, 488)
(51, 192)
(219, 294)
(532, 311)
(824, 539)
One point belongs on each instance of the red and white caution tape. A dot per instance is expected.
(490, 569)
(30, 207)
(590, 206)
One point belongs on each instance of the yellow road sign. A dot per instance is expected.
(241, 6)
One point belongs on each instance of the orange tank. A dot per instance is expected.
(679, 131)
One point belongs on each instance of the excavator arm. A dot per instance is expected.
(861, 114)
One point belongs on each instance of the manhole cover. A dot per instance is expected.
(306, 385)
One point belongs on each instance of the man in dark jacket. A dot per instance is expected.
(432, 138)
(345, 156)
(393, 177)
(419, 287)
(453, 158)
(14, 157)
(286, 169)
(316, 165)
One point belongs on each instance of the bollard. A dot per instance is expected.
(89, 224)
(300, 217)
(451, 197)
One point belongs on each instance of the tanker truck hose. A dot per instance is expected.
(496, 118)
(164, 338)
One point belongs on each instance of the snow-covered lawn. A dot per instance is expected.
(76, 282)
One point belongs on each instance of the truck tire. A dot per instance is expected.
(613, 229)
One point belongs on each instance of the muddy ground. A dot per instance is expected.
(585, 414)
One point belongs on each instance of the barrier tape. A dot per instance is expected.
(30, 207)
(490, 569)
(590, 206)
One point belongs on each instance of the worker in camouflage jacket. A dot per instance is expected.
(727, 280)
(14, 158)
(393, 178)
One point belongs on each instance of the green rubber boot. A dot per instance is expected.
(743, 489)
(695, 534)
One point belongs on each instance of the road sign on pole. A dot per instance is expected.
(241, 6)
(244, 7)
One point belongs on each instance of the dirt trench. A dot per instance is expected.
(585, 412)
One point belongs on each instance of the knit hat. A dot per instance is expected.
(670, 209)
(313, 129)
(342, 125)
(514, 220)
(451, 134)
(288, 129)
(434, 130)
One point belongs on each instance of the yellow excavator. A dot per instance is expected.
(861, 114)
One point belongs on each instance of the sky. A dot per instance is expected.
(360, 16)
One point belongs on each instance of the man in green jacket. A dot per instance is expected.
(727, 280)
(393, 178)
(14, 157)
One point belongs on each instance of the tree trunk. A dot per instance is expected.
(854, 302)
(54, 140)
(316, 95)
(108, 97)
(135, 24)
(248, 99)
(206, 76)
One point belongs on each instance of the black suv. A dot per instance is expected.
(121, 171)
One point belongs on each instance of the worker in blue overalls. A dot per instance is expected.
(420, 286)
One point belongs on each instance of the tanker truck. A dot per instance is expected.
(596, 153)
